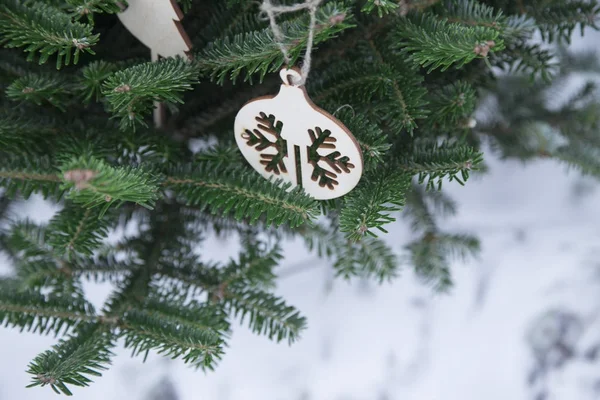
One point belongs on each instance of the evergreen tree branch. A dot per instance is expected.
(581, 156)
(368, 258)
(372, 140)
(436, 43)
(19, 134)
(406, 94)
(92, 182)
(452, 103)
(382, 6)
(101, 269)
(246, 195)
(227, 20)
(31, 311)
(46, 30)
(254, 267)
(86, 352)
(434, 162)
(371, 205)
(473, 13)
(359, 82)
(87, 8)
(190, 331)
(430, 256)
(558, 19)
(418, 211)
(529, 58)
(27, 242)
(40, 89)
(132, 92)
(76, 230)
(93, 76)
(257, 52)
(26, 175)
(267, 314)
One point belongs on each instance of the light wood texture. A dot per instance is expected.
(273, 131)
(156, 24)
(159, 114)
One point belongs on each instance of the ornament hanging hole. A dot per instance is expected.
(291, 77)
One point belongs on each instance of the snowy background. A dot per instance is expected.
(540, 233)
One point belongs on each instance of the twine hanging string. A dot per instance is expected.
(273, 11)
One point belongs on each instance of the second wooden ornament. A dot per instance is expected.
(156, 24)
(288, 137)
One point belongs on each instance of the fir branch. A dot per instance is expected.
(41, 89)
(368, 258)
(76, 230)
(93, 76)
(372, 140)
(518, 28)
(27, 242)
(430, 264)
(254, 267)
(530, 58)
(20, 134)
(43, 29)
(85, 352)
(257, 53)
(245, 194)
(559, 19)
(28, 174)
(185, 5)
(440, 203)
(436, 43)
(226, 21)
(12, 65)
(406, 95)
(210, 318)
(452, 104)
(221, 155)
(417, 210)
(359, 82)
(581, 156)
(432, 254)
(267, 314)
(371, 205)
(382, 6)
(132, 92)
(31, 311)
(49, 274)
(92, 182)
(473, 13)
(189, 331)
(102, 268)
(434, 162)
(87, 8)
(318, 238)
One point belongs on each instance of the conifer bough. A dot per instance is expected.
(404, 75)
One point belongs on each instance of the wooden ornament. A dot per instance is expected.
(156, 24)
(277, 134)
